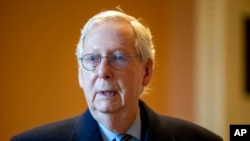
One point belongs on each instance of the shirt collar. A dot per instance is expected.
(134, 130)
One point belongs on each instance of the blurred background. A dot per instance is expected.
(200, 71)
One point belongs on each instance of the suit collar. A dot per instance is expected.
(86, 128)
(151, 124)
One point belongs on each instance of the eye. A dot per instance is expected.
(91, 58)
(118, 57)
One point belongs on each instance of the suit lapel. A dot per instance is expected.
(86, 128)
(150, 124)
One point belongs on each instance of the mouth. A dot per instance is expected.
(107, 93)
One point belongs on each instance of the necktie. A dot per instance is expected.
(126, 137)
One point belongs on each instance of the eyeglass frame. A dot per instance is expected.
(109, 60)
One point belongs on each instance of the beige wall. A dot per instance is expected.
(238, 102)
(220, 95)
(38, 75)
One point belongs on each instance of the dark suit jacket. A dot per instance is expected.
(154, 128)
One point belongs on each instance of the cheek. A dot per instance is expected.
(88, 88)
(86, 81)
(85, 75)
(132, 83)
(138, 82)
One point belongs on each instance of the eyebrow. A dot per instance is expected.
(112, 51)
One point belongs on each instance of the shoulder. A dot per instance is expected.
(56, 131)
(159, 127)
(82, 127)
(185, 130)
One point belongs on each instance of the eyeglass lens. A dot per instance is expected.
(117, 61)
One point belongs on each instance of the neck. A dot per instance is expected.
(118, 122)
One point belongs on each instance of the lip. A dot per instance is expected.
(107, 93)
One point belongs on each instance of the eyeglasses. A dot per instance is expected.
(117, 60)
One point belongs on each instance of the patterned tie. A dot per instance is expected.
(126, 137)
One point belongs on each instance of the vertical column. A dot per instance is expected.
(210, 61)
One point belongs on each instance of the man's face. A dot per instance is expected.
(110, 90)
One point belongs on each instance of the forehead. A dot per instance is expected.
(111, 35)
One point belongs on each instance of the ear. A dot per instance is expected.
(148, 72)
(80, 76)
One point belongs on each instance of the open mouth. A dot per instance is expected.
(107, 93)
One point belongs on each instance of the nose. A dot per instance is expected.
(104, 70)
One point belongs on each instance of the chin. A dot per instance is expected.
(107, 106)
(108, 109)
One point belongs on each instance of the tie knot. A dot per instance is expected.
(126, 137)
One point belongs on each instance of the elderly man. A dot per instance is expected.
(116, 59)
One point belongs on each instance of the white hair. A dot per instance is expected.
(143, 43)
